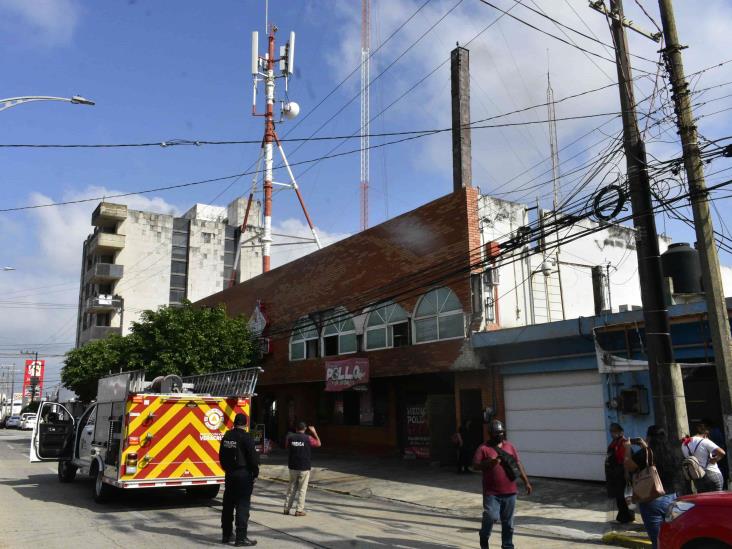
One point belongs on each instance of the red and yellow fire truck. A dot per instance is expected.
(141, 434)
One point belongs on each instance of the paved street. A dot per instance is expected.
(38, 511)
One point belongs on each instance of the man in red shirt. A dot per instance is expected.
(500, 463)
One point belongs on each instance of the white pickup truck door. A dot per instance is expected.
(53, 434)
(86, 437)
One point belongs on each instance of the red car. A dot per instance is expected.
(701, 521)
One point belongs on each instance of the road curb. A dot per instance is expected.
(626, 539)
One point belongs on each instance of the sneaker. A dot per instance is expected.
(246, 542)
(300, 513)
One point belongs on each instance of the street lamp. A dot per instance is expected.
(15, 101)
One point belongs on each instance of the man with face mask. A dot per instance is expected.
(500, 463)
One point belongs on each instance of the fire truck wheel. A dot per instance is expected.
(102, 490)
(66, 471)
(203, 492)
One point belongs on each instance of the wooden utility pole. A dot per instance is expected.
(462, 170)
(669, 404)
(711, 277)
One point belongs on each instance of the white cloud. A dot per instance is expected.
(297, 228)
(52, 22)
(509, 70)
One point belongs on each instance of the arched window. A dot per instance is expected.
(304, 340)
(387, 326)
(439, 315)
(339, 334)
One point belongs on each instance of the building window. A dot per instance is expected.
(439, 315)
(339, 334)
(304, 340)
(386, 327)
(207, 238)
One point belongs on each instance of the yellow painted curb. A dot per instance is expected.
(626, 540)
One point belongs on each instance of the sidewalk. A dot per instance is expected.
(576, 510)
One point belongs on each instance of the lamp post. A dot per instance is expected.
(15, 101)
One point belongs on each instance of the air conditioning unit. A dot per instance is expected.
(491, 277)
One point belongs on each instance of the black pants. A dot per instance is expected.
(237, 495)
(624, 514)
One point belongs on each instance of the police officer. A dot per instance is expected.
(240, 461)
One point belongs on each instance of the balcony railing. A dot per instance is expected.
(102, 272)
(98, 332)
(103, 303)
(106, 241)
(108, 214)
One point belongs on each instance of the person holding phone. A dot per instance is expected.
(656, 450)
(299, 445)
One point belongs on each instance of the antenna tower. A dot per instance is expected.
(553, 141)
(268, 68)
(365, 77)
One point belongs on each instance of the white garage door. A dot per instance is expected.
(557, 422)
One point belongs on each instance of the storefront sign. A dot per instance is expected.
(346, 374)
(33, 379)
(418, 432)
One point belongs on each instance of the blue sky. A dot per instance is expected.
(162, 70)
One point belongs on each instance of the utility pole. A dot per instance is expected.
(711, 277)
(365, 105)
(669, 404)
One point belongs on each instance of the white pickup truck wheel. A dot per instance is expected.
(66, 471)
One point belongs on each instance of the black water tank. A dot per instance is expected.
(681, 263)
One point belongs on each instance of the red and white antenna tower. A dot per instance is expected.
(365, 77)
(263, 70)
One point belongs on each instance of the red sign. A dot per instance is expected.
(346, 374)
(34, 370)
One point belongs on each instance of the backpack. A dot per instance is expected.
(690, 467)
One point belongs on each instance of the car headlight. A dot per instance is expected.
(677, 509)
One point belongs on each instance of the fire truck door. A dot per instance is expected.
(53, 434)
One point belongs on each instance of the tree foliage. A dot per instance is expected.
(184, 340)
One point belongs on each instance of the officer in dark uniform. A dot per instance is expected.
(240, 461)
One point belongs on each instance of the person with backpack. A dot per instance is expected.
(615, 473)
(655, 452)
(700, 461)
(501, 466)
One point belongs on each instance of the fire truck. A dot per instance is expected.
(146, 434)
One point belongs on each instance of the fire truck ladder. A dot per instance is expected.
(229, 383)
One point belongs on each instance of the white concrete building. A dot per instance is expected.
(137, 260)
(556, 283)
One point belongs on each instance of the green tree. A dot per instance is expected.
(184, 340)
(84, 365)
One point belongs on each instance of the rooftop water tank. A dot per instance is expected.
(681, 263)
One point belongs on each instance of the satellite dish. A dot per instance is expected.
(290, 110)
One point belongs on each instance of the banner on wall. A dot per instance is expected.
(33, 376)
(418, 432)
(346, 374)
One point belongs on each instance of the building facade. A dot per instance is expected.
(136, 260)
(370, 337)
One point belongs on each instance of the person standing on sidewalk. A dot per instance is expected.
(500, 463)
(240, 462)
(615, 473)
(654, 449)
(707, 454)
(299, 445)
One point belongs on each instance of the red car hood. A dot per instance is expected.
(716, 499)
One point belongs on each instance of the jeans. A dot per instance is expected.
(497, 508)
(297, 490)
(237, 496)
(711, 482)
(653, 513)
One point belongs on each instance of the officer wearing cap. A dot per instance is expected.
(240, 461)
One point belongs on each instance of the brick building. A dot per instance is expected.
(399, 297)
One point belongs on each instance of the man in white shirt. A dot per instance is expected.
(708, 454)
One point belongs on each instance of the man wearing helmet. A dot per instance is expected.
(500, 463)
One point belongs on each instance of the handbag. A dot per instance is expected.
(647, 484)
